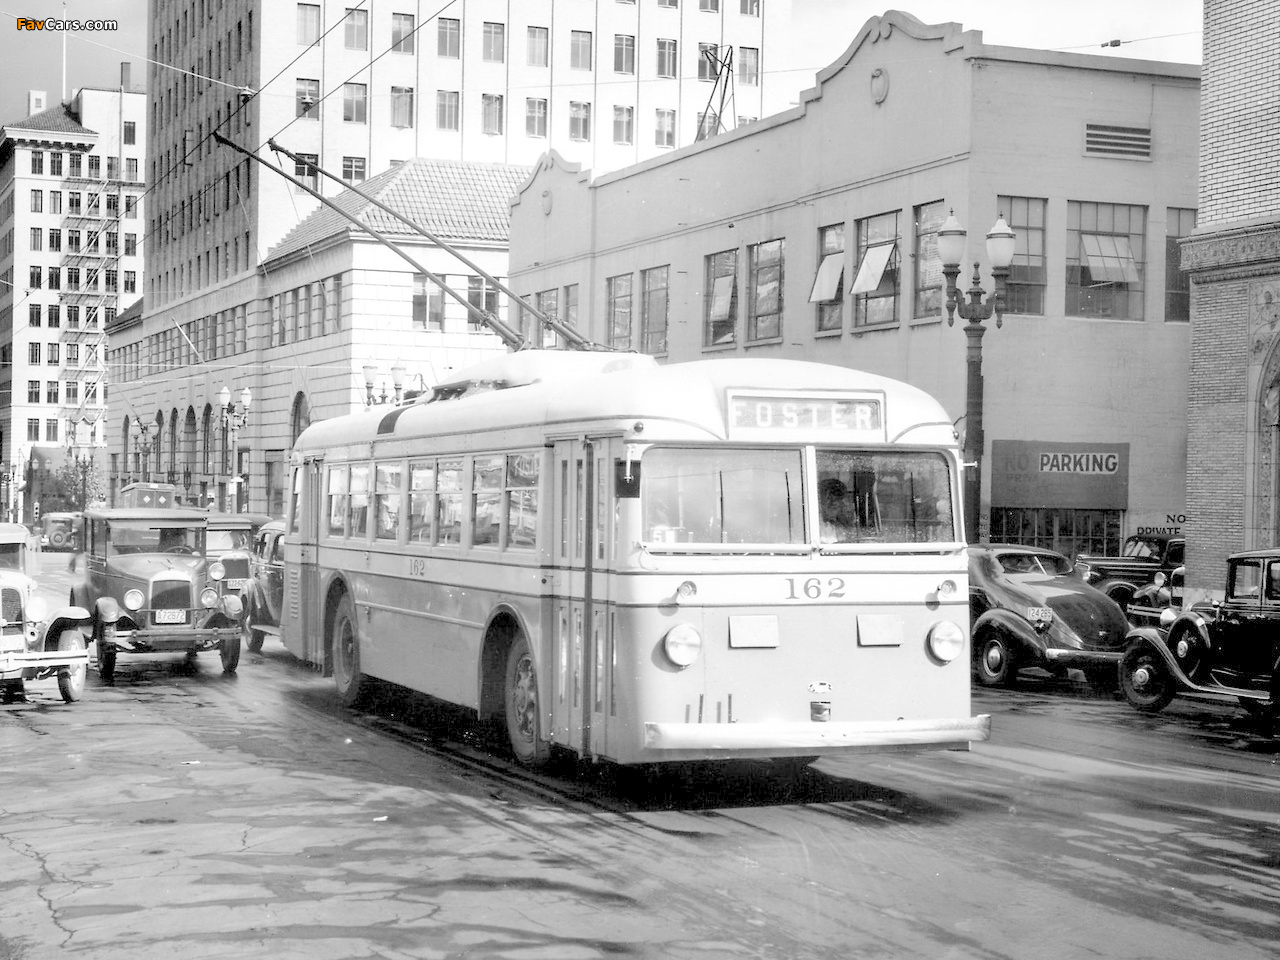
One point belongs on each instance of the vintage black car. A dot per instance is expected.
(1028, 608)
(229, 538)
(1229, 647)
(263, 591)
(1141, 558)
(149, 587)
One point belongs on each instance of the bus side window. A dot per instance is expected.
(449, 502)
(522, 499)
(486, 501)
(337, 501)
(422, 487)
(387, 499)
(358, 508)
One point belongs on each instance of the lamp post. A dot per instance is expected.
(142, 449)
(1001, 242)
(234, 416)
(397, 385)
(83, 465)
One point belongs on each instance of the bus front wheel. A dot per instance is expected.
(524, 718)
(350, 681)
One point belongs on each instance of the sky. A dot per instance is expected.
(822, 30)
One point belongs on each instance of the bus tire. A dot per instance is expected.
(351, 683)
(521, 708)
(71, 679)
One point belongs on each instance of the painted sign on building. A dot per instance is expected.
(1040, 473)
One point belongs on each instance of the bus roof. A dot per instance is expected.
(685, 401)
(14, 533)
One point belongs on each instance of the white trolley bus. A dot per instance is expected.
(639, 563)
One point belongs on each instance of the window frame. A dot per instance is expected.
(720, 298)
(766, 267)
(1091, 298)
(874, 233)
(928, 288)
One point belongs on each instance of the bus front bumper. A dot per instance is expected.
(768, 739)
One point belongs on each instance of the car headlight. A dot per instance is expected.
(134, 599)
(37, 609)
(216, 570)
(682, 644)
(231, 605)
(1167, 616)
(946, 641)
(209, 597)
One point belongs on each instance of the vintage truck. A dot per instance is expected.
(1141, 558)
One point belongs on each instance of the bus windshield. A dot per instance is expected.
(757, 497)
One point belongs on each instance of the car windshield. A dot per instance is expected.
(224, 541)
(141, 538)
(1038, 564)
(1142, 547)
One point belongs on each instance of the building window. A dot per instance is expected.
(428, 307)
(402, 33)
(721, 295)
(579, 120)
(355, 102)
(1070, 532)
(664, 134)
(308, 95)
(449, 38)
(37, 238)
(618, 305)
(95, 167)
(51, 392)
(1179, 222)
(55, 321)
(495, 42)
(624, 54)
(535, 117)
(764, 283)
(875, 286)
(667, 62)
(548, 303)
(708, 61)
(708, 124)
(33, 429)
(34, 318)
(483, 295)
(353, 169)
(491, 106)
(73, 164)
(131, 208)
(749, 66)
(669, 3)
(709, 6)
(130, 244)
(73, 203)
(304, 169)
(55, 201)
(1028, 274)
(1106, 254)
(356, 29)
(828, 286)
(33, 391)
(447, 109)
(55, 354)
(539, 46)
(750, 8)
(308, 23)
(55, 158)
(580, 49)
(623, 124)
(654, 304)
(34, 353)
(130, 281)
(37, 201)
(55, 240)
(131, 169)
(927, 293)
(73, 284)
(37, 161)
(55, 278)
(35, 278)
(402, 106)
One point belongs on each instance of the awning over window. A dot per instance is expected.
(871, 270)
(827, 282)
(1110, 258)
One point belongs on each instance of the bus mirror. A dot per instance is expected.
(626, 479)
(633, 456)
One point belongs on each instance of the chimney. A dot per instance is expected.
(37, 102)
(124, 76)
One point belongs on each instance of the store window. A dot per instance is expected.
(1069, 531)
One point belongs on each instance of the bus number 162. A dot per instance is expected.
(814, 589)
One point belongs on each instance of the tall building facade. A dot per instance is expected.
(357, 87)
(1233, 408)
(814, 235)
(72, 222)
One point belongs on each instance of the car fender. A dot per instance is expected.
(1152, 639)
(75, 617)
(107, 610)
(1107, 584)
(1012, 624)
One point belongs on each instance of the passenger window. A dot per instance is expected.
(486, 501)
(358, 510)
(337, 500)
(422, 488)
(449, 502)
(522, 499)
(386, 496)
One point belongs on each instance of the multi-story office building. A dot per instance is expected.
(72, 215)
(358, 86)
(828, 251)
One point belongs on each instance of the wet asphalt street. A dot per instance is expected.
(186, 814)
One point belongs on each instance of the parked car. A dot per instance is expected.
(35, 642)
(1141, 558)
(150, 588)
(1229, 647)
(1159, 602)
(263, 592)
(1028, 608)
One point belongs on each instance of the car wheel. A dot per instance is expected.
(1145, 679)
(351, 683)
(252, 638)
(106, 661)
(523, 716)
(229, 650)
(57, 539)
(1121, 594)
(71, 679)
(994, 660)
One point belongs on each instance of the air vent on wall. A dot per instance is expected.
(1104, 140)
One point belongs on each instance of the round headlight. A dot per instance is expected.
(108, 610)
(209, 597)
(682, 644)
(216, 570)
(231, 605)
(1167, 616)
(946, 641)
(134, 599)
(37, 609)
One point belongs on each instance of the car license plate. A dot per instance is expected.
(1039, 613)
(234, 584)
(171, 616)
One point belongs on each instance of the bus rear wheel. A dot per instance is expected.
(523, 716)
(351, 683)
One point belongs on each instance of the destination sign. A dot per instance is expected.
(845, 417)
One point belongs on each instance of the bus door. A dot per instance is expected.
(303, 614)
(562, 658)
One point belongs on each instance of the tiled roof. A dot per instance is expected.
(451, 199)
(57, 119)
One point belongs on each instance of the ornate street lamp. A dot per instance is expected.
(1001, 245)
(397, 385)
(82, 464)
(234, 417)
(142, 448)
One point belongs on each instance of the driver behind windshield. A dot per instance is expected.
(174, 539)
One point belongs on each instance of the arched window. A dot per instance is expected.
(299, 417)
